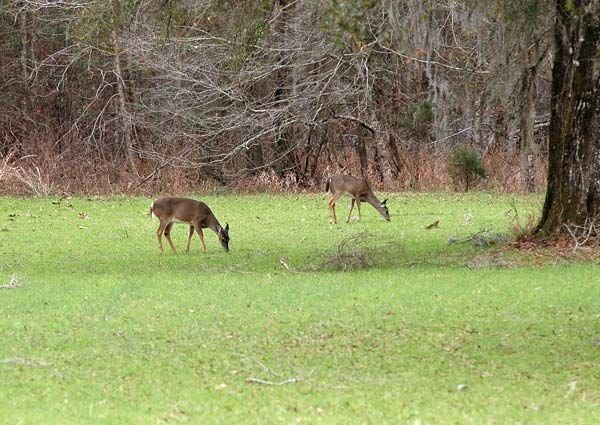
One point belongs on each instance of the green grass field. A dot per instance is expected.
(369, 322)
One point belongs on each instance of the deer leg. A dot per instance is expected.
(190, 234)
(168, 236)
(332, 201)
(350, 213)
(199, 230)
(358, 207)
(159, 232)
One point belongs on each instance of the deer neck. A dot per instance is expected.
(212, 223)
(372, 199)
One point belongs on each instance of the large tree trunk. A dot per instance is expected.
(593, 199)
(527, 121)
(571, 164)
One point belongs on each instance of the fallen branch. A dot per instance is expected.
(482, 238)
(14, 283)
(263, 382)
(21, 361)
(252, 380)
(581, 235)
(262, 366)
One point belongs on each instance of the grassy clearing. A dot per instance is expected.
(103, 329)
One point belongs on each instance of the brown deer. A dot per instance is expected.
(360, 191)
(195, 213)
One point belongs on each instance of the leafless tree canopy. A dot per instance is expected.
(105, 95)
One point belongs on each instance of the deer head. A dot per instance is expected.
(383, 210)
(223, 234)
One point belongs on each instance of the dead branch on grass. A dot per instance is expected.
(285, 382)
(350, 255)
(253, 380)
(482, 238)
(357, 252)
(22, 361)
(584, 234)
(14, 283)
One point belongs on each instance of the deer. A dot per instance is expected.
(197, 214)
(359, 189)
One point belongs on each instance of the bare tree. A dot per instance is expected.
(296, 88)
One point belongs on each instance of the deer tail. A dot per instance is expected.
(152, 212)
(328, 184)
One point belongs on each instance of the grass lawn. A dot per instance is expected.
(369, 322)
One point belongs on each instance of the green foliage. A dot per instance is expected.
(349, 20)
(524, 10)
(569, 6)
(93, 23)
(104, 329)
(417, 114)
(466, 167)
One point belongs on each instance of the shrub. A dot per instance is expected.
(466, 167)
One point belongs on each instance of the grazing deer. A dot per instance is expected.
(195, 213)
(360, 191)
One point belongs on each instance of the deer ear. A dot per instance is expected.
(227, 227)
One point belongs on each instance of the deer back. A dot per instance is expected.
(356, 186)
(181, 209)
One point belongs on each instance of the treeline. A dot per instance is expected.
(137, 95)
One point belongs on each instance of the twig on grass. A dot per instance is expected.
(262, 366)
(21, 361)
(454, 239)
(572, 387)
(294, 380)
(482, 238)
(253, 380)
(581, 234)
(14, 283)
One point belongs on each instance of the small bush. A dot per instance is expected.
(466, 167)
(521, 229)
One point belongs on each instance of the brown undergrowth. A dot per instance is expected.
(525, 247)
(532, 250)
(43, 172)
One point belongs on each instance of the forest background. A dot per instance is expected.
(142, 96)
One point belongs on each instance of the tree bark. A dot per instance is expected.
(361, 151)
(284, 146)
(125, 119)
(571, 166)
(383, 161)
(23, 18)
(593, 200)
(500, 126)
(527, 148)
